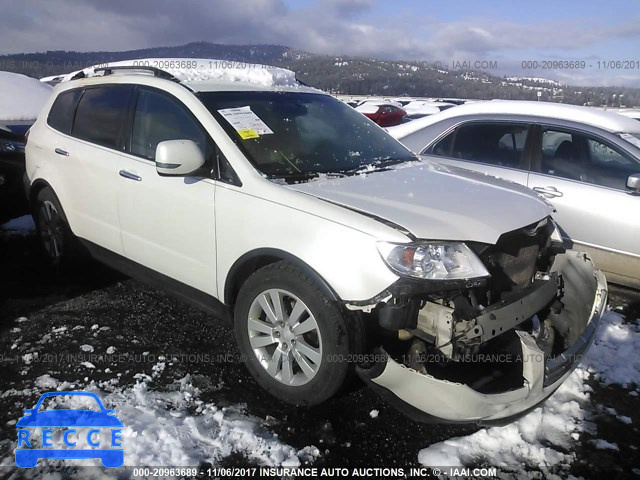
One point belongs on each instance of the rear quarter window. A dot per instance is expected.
(63, 110)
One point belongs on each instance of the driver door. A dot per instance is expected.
(167, 223)
(585, 177)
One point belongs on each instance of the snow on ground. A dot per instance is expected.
(21, 97)
(173, 427)
(544, 438)
(19, 226)
(163, 426)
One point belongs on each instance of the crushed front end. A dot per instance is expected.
(488, 349)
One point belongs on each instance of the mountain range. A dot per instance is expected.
(343, 75)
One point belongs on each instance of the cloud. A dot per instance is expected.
(349, 27)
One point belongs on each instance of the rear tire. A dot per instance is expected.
(296, 341)
(58, 244)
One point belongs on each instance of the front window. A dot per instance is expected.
(582, 158)
(297, 136)
(159, 118)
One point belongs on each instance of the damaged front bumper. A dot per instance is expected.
(427, 398)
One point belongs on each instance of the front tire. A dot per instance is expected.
(295, 339)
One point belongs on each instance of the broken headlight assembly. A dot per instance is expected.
(433, 260)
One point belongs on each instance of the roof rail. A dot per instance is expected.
(156, 71)
(109, 71)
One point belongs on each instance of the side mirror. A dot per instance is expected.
(178, 157)
(633, 182)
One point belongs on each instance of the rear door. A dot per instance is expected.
(495, 148)
(89, 159)
(584, 176)
(167, 223)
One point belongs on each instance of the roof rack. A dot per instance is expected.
(109, 71)
(156, 71)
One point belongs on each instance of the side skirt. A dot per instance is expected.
(176, 289)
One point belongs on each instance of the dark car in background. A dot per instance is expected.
(13, 201)
(21, 99)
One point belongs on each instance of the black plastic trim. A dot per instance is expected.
(178, 290)
(247, 258)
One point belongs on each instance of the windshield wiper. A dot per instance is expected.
(380, 165)
(303, 176)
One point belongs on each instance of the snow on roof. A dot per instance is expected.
(635, 114)
(21, 97)
(371, 106)
(426, 107)
(592, 116)
(195, 70)
(368, 108)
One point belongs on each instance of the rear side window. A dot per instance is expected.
(500, 144)
(101, 115)
(63, 109)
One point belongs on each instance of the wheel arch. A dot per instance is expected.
(252, 261)
(38, 185)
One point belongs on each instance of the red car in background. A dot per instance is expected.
(384, 114)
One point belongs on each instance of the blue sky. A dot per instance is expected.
(507, 32)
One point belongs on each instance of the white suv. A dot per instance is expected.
(327, 244)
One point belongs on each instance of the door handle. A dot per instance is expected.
(549, 192)
(130, 176)
(62, 152)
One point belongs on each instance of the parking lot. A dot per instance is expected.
(173, 374)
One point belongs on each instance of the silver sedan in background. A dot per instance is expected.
(584, 160)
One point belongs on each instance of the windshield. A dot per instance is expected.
(298, 135)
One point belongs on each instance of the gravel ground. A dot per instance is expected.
(59, 314)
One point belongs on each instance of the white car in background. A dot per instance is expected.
(584, 160)
(422, 108)
(326, 243)
(631, 113)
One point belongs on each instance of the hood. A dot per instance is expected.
(436, 202)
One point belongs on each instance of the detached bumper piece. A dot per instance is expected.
(427, 398)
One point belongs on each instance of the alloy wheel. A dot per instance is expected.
(285, 337)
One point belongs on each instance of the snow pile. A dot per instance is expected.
(19, 226)
(174, 427)
(203, 69)
(538, 440)
(159, 430)
(541, 439)
(613, 357)
(21, 97)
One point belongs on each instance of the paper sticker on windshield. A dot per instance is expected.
(248, 133)
(247, 124)
(631, 139)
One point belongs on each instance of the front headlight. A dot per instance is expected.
(433, 260)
